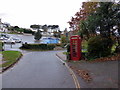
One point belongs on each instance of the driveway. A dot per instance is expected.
(38, 70)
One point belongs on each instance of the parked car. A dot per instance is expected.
(17, 40)
(3, 38)
(9, 41)
(5, 35)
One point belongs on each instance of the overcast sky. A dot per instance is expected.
(27, 12)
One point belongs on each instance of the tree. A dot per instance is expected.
(80, 16)
(55, 28)
(38, 35)
(11, 28)
(57, 34)
(104, 19)
(35, 26)
(105, 22)
(87, 9)
(45, 28)
(63, 40)
(28, 31)
(84, 31)
(16, 27)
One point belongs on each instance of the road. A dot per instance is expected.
(38, 70)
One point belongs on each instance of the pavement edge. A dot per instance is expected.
(77, 84)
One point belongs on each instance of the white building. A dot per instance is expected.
(3, 26)
(49, 31)
(46, 34)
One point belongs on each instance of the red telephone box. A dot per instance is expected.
(75, 47)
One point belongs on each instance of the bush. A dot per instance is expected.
(68, 52)
(63, 40)
(117, 49)
(99, 47)
(26, 46)
(42, 46)
(68, 48)
(58, 44)
(38, 46)
(51, 46)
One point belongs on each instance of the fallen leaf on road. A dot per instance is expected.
(84, 74)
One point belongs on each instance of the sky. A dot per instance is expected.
(24, 13)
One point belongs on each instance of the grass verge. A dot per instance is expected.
(10, 58)
(65, 53)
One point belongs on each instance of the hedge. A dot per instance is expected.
(39, 46)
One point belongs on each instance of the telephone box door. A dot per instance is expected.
(75, 47)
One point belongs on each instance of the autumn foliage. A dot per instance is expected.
(98, 19)
(87, 8)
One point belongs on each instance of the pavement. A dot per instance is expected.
(0, 62)
(94, 74)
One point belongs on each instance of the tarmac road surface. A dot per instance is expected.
(38, 70)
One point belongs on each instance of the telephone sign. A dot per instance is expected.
(75, 47)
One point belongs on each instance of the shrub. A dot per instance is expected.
(68, 52)
(25, 46)
(51, 46)
(63, 40)
(117, 49)
(68, 48)
(99, 47)
(58, 44)
(38, 46)
(43, 46)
